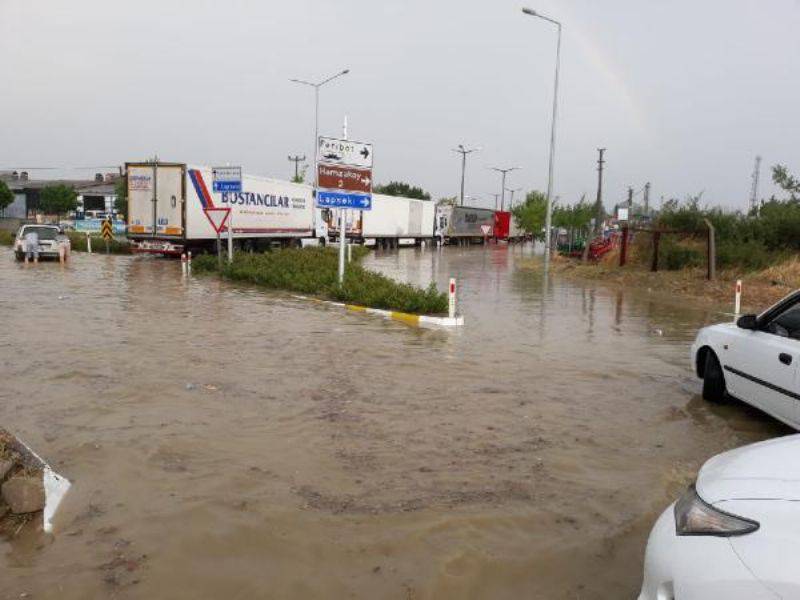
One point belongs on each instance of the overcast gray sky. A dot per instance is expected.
(681, 93)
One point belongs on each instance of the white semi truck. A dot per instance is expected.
(392, 220)
(167, 202)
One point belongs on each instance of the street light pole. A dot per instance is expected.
(316, 87)
(463, 152)
(549, 217)
(511, 201)
(503, 183)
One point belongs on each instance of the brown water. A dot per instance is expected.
(232, 443)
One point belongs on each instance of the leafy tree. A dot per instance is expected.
(121, 199)
(530, 215)
(58, 200)
(575, 219)
(448, 201)
(399, 188)
(786, 181)
(6, 196)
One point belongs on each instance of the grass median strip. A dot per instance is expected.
(314, 271)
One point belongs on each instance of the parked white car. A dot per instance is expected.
(52, 242)
(754, 360)
(735, 534)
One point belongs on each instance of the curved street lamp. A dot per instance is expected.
(316, 87)
(549, 217)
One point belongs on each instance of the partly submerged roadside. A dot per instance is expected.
(760, 289)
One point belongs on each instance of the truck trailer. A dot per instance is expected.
(392, 220)
(167, 202)
(464, 224)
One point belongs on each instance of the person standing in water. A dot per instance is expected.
(32, 246)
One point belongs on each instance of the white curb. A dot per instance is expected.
(418, 320)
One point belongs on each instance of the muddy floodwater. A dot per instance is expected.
(226, 442)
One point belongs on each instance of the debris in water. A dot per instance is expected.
(28, 486)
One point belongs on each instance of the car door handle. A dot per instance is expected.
(785, 358)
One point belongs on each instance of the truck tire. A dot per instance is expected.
(713, 379)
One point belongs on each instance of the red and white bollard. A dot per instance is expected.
(737, 303)
(452, 297)
(184, 264)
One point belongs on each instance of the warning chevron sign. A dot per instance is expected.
(106, 230)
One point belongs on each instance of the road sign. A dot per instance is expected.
(218, 217)
(486, 229)
(344, 152)
(330, 199)
(106, 229)
(622, 214)
(348, 179)
(227, 179)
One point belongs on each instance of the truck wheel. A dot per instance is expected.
(713, 379)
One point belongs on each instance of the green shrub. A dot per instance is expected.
(315, 271)
(751, 255)
(749, 242)
(672, 255)
(78, 244)
(6, 238)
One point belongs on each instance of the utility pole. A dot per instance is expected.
(599, 211)
(496, 200)
(646, 199)
(503, 183)
(463, 152)
(630, 200)
(297, 160)
(754, 189)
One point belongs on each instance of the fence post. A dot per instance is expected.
(452, 299)
(712, 251)
(656, 240)
(737, 303)
(88, 243)
(623, 252)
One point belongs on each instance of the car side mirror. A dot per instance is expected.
(747, 322)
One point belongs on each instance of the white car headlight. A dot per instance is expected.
(693, 516)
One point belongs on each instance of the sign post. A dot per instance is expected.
(344, 179)
(342, 242)
(230, 240)
(218, 217)
(107, 233)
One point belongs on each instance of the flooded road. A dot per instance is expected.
(225, 442)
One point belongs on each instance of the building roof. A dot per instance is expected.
(87, 186)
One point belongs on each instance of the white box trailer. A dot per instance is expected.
(464, 223)
(167, 202)
(392, 218)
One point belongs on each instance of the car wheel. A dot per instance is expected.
(713, 379)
